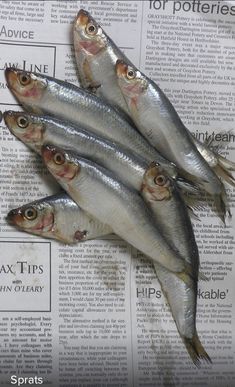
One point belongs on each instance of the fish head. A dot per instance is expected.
(156, 183)
(36, 217)
(26, 127)
(88, 35)
(59, 163)
(131, 82)
(26, 86)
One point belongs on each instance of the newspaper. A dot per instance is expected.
(94, 314)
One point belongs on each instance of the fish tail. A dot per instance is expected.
(203, 277)
(226, 164)
(188, 186)
(187, 275)
(224, 173)
(221, 205)
(196, 350)
(221, 144)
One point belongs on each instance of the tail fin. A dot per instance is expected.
(216, 145)
(221, 205)
(196, 350)
(187, 185)
(226, 164)
(202, 277)
(224, 174)
(187, 275)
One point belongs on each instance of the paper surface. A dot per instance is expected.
(94, 314)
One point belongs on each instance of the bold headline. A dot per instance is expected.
(196, 6)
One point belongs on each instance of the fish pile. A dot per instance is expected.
(126, 162)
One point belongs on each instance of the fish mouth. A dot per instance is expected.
(121, 68)
(9, 119)
(11, 76)
(48, 151)
(82, 18)
(14, 217)
(65, 170)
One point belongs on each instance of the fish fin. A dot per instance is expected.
(203, 277)
(195, 350)
(187, 186)
(187, 274)
(92, 89)
(212, 143)
(193, 214)
(225, 175)
(194, 202)
(226, 164)
(221, 205)
(193, 180)
(185, 278)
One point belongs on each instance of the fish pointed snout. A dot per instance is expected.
(10, 74)
(48, 151)
(121, 68)
(82, 18)
(9, 119)
(14, 216)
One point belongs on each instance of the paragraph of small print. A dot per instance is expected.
(25, 276)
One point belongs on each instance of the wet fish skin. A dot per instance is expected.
(96, 55)
(35, 130)
(57, 217)
(218, 163)
(181, 298)
(38, 130)
(163, 197)
(158, 121)
(43, 94)
(107, 199)
(68, 223)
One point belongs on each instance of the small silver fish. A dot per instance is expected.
(35, 131)
(57, 217)
(41, 94)
(158, 121)
(162, 195)
(96, 55)
(107, 199)
(220, 165)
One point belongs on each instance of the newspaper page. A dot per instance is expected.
(94, 314)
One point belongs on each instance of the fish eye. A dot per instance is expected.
(30, 213)
(131, 74)
(59, 158)
(91, 29)
(160, 180)
(22, 122)
(24, 79)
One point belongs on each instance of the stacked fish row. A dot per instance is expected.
(127, 162)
